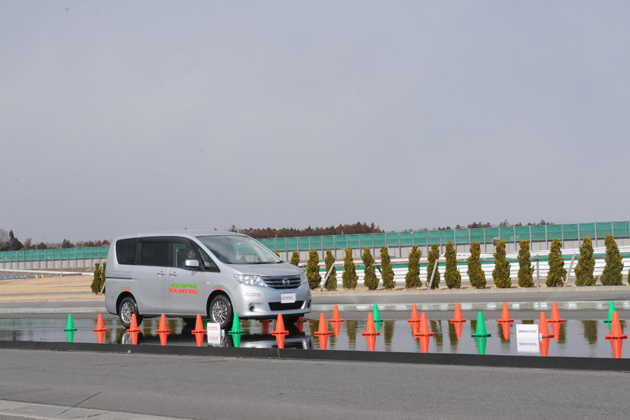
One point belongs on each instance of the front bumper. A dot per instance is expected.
(253, 302)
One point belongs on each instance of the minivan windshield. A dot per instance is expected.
(237, 249)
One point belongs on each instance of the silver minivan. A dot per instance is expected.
(212, 273)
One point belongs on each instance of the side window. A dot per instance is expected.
(181, 253)
(154, 253)
(126, 251)
(207, 262)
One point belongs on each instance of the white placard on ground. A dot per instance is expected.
(527, 338)
(214, 333)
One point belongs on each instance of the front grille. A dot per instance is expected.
(277, 306)
(277, 282)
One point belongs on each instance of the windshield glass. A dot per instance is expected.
(236, 249)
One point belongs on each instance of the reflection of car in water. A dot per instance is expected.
(295, 339)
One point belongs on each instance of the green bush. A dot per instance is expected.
(369, 275)
(585, 265)
(295, 258)
(612, 272)
(412, 278)
(96, 282)
(525, 268)
(349, 275)
(387, 270)
(452, 276)
(475, 273)
(434, 256)
(501, 272)
(331, 283)
(557, 273)
(277, 254)
(312, 270)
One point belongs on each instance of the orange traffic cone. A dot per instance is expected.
(555, 315)
(458, 315)
(100, 329)
(280, 332)
(414, 321)
(163, 331)
(323, 332)
(458, 329)
(544, 347)
(336, 321)
(424, 343)
(424, 327)
(506, 330)
(615, 329)
(370, 333)
(266, 323)
(134, 330)
(616, 347)
(199, 331)
(543, 328)
(505, 315)
(300, 324)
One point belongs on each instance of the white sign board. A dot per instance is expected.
(527, 338)
(214, 334)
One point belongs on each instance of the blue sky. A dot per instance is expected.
(119, 117)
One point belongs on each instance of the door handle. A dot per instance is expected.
(161, 273)
(173, 274)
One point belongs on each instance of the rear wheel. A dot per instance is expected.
(220, 311)
(127, 308)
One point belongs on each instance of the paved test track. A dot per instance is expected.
(218, 388)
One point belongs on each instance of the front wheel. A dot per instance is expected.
(220, 311)
(128, 307)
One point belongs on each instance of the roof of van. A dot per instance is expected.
(180, 232)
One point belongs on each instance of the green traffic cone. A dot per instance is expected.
(377, 318)
(236, 339)
(236, 328)
(70, 324)
(481, 327)
(611, 310)
(481, 344)
(70, 335)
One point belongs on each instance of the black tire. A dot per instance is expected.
(291, 319)
(127, 307)
(220, 311)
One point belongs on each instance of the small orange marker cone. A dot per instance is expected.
(280, 332)
(544, 347)
(414, 321)
(163, 331)
(199, 331)
(424, 343)
(615, 329)
(370, 333)
(555, 315)
(543, 328)
(458, 315)
(424, 327)
(323, 332)
(505, 315)
(100, 329)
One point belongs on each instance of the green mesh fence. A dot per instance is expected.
(406, 238)
(328, 242)
(507, 234)
(420, 238)
(447, 235)
(304, 243)
(379, 240)
(292, 244)
(554, 232)
(570, 231)
(393, 239)
(477, 235)
(433, 237)
(621, 229)
(521, 233)
(587, 229)
(603, 229)
(354, 241)
(341, 241)
(462, 237)
(539, 233)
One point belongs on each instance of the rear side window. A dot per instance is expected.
(126, 251)
(154, 253)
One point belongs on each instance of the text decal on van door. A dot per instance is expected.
(183, 288)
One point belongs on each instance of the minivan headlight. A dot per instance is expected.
(303, 279)
(250, 280)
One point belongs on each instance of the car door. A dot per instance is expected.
(186, 291)
(151, 275)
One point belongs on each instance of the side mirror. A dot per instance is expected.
(192, 263)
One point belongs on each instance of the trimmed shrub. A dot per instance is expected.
(295, 258)
(312, 270)
(475, 273)
(387, 270)
(501, 272)
(525, 267)
(612, 272)
(412, 278)
(331, 283)
(369, 275)
(96, 282)
(585, 265)
(452, 276)
(277, 254)
(349, 275)
(557, 273)
(434, 255)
